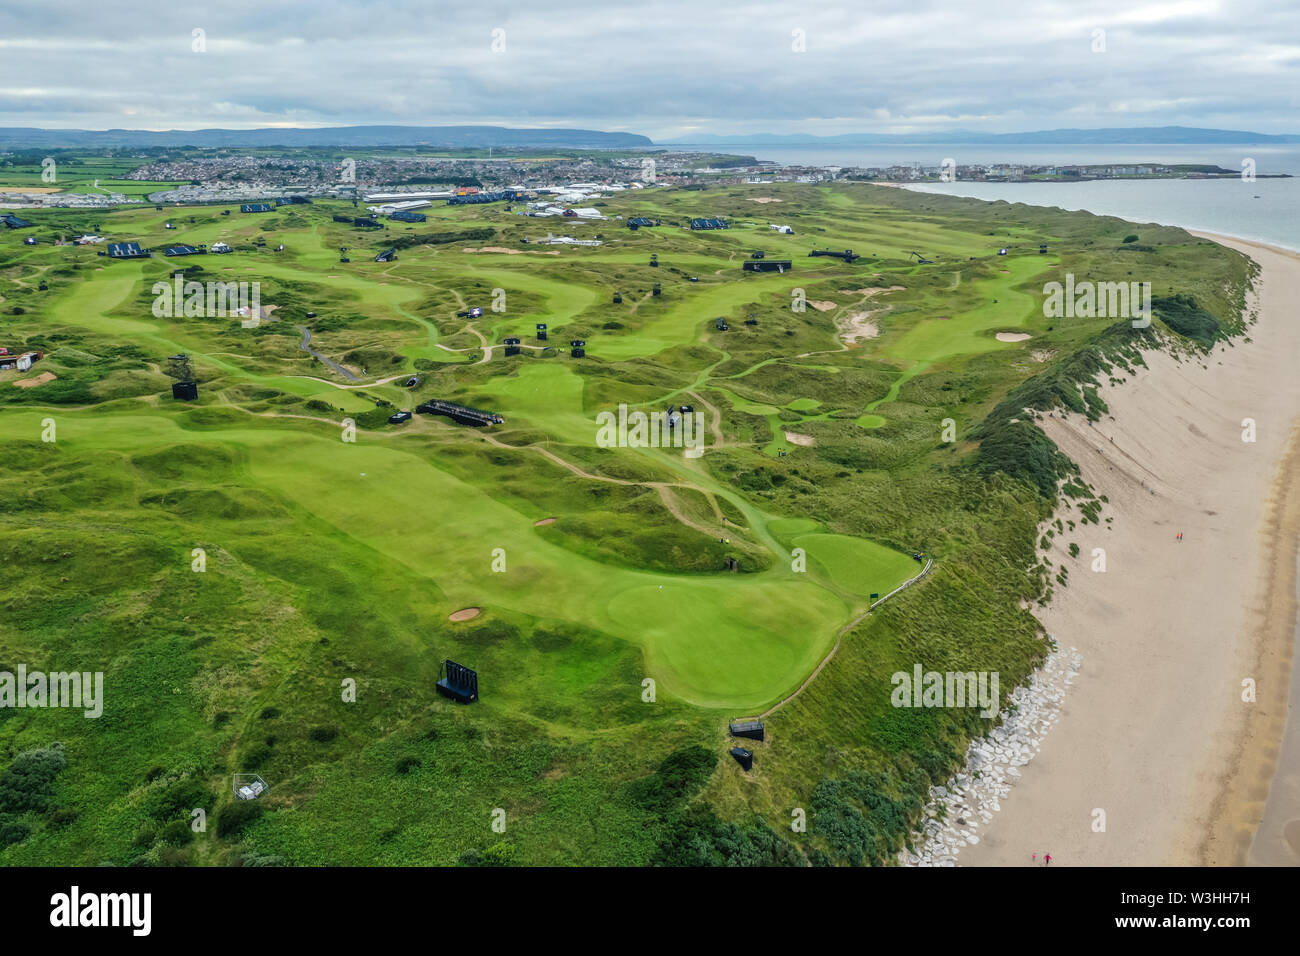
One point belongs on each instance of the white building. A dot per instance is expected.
(389, 208)
(402, 197)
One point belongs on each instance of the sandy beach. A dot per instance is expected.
(1154, 733)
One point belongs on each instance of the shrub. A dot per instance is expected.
(26, 784)
(178, 797)
(701, 839)
(234, 817)
(11, 832)
(175, 833)
(256, 859)
(499, 854)
(1182, 314)
(682, 773)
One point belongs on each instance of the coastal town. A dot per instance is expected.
(203, 177)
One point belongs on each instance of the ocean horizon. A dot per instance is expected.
(1262, 210)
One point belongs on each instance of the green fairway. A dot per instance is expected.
(1001, 305)
(856, 565)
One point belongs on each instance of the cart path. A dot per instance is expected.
(671, 503)
(305, 345)
(839, 637)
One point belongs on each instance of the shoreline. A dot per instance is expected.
(1205, 232)
(1255, 816)
(1155, 759)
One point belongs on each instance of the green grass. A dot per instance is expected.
(331, 560)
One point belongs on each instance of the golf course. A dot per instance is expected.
(270, 576)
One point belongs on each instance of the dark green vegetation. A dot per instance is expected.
(327, 562)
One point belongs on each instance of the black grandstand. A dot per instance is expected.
(743, 757)
(347, 219)
(639, 221)
(847, 255)
(461, 414)
(127, 250)
(458, 682)
(698, 224)
(13, 222)
(766, 265)
(474, 199)
(255, 207)
(367, 222)
(409, 216)
(388, 255)
(182, 251)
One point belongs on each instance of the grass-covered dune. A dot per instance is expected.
(266, 577)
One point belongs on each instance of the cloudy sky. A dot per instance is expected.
(666, 69)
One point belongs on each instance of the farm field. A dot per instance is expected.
(89, 174)
(267, 576)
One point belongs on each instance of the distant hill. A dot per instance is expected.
(342, 136)
(1137, 135)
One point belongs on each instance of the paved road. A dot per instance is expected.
(305, 345)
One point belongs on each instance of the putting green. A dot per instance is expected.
(857, 565)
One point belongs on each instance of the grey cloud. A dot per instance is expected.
(660, 68)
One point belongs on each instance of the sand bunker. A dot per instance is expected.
(821, 305)
(544, 521)
(260, 314)
(874, 290)
(465, 614)
(1013, 336)
(765, 199)
(513, 252)
(794, 438)
(37, 380)
(858, 327)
